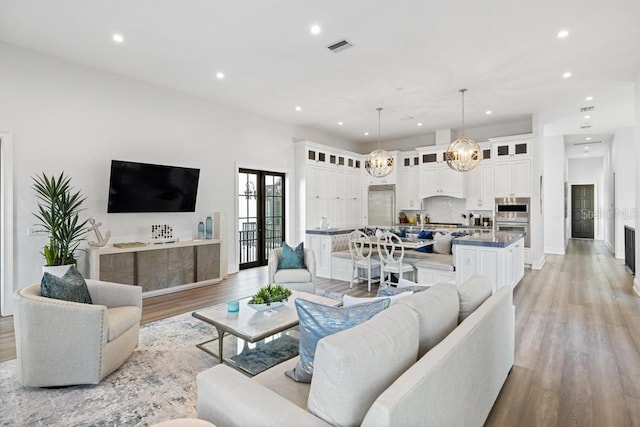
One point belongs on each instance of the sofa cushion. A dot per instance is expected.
(438, 309)
(292, 258)
(354, 366)
(318, 320)
(436, 261)
(442, 244)
(70, 287)
(348, 300)
(472, 293)
(292, 276)
(275, 380)
(120, 319)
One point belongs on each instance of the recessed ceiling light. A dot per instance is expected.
(298, 108)
(220, 75)
(315, 29)
(118, 38)
(589, 98)
(587, 117)
(586, 154)
(366, 134)
(488, 112)
(419, 124)
(588, 138)
(566, 75)
(562, 34)
(340, 123)
(586, 148)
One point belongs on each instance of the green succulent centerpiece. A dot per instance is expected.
(270, 294)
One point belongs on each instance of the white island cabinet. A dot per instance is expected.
(497, 255)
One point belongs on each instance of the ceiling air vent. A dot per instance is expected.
(585, 127)
(339, 46)
(585, 109)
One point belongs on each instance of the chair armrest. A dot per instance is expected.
(114, 294)
(274, 259)
(45, 325)
(310, 262)
(228, 398)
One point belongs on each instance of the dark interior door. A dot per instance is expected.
(260, 215)
(582, 211)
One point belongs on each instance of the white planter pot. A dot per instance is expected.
(56, 270)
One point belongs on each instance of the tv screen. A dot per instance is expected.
(142, 187)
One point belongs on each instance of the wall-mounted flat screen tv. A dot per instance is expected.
(142, 187)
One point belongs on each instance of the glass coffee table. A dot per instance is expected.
(253, 341)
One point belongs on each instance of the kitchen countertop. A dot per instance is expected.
(330, 231)
(496, 239)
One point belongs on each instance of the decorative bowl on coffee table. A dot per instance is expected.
(265, 307)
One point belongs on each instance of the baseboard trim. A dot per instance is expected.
(539, 263)
(636, 286)
(609, 246)
(554, 251)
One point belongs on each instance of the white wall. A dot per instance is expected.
(624, 166)
(554, 177)
(608, 231)
(67, 117)
(636, 282)
(584, 172)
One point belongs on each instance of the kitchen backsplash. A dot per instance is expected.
(448, 209)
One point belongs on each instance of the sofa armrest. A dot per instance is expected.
(114, 294)
(228, 398)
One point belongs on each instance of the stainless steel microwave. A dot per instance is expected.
(512, 205)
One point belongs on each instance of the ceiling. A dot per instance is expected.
(408, 57)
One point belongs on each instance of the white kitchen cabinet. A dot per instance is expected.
(407, 194)
(480, 187)
(514, 149)
(321, 246)
(440, 180)
(512, 178)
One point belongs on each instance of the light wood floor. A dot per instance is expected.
(577, 338)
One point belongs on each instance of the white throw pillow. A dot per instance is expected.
(348, 300)
(442, 243)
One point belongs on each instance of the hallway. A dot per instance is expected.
(577, 338)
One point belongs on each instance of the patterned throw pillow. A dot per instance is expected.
(70, 287)
(292, 258)
(318, 320)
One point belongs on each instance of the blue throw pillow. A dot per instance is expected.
(292, 258)
(425, 235)
(318, 320)
(70, 287)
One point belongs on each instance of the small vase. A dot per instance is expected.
(209, 228)
(201, 230)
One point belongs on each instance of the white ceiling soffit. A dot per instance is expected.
(409, 57)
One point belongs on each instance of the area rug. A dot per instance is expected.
(157, 383)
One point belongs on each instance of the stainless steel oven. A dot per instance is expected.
(512, 214)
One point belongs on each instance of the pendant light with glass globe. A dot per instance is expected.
(379, 162)
(463, 154)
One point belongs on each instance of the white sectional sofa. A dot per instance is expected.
(412, 364)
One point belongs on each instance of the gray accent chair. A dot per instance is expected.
(61, 343)
(295, 279)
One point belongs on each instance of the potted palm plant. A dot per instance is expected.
(59, 207)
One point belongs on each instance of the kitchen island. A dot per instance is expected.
(497, 255)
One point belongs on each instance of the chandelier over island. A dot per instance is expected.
(379, 163)
(463, 154)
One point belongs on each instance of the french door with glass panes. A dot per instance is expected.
(260, 215)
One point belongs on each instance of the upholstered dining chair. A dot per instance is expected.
(61, 343)
(298, 279)
(391, 252)
(361, 259)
